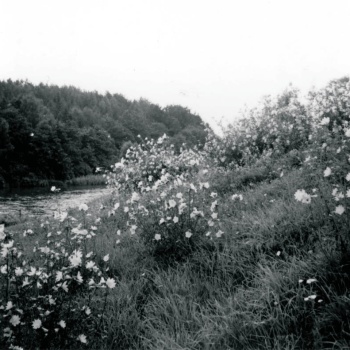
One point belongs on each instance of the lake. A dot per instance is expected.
(39, 201)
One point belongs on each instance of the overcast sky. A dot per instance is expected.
(210, 56)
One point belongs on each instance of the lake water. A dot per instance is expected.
(39, 201)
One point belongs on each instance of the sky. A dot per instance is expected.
(214, 57)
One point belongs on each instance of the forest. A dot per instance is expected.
(52, 133)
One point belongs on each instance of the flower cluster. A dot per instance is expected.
(43, 297)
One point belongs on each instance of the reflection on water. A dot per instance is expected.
(38, 201)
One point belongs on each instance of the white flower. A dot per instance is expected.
(110, 283)
(36, 324)
(83, 207)
(106, 258)
(90, 265)
(9, 305)
(157, 236)
(339, 210)
(237, 197)
(135, 197)
(302, 196)
(2, 233)
(214, 215)
(62, 324)
(213, 194)
(172, 203)
(327, 172)
(126, 209)
(219, 234)
(176, 219)
(116, 206)
(188, 234)
(161, 221)
(79, 277)
(311, 280)
(65, 286)
(75, 258)
(347, 133)
(325, 121)
(59, 276)
(347, 177)
(15, 320)
(18, 271)
(82, 338)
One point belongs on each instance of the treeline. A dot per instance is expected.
(58, 133)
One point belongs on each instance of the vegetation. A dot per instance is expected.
(243, 244)
(60, 133)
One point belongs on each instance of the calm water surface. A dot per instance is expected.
(39, 201)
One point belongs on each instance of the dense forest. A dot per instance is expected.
(49, 132)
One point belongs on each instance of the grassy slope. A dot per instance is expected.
(246, 293)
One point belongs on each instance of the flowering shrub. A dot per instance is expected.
(44, 297)
(150, 164)
(167, 198)
(275, 128)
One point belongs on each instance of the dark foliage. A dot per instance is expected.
(58, 133)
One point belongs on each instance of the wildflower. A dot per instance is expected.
(79, 277)
(135, 197)
(172, 203)
(126, 209)
(214, 215)
(133, 229)
(88, 311)
(347, 177)
(302, 196)
(176, 219)
(36, 324)
(83, 207)
(278, 253)
(311, 297)
(18, 271)
(106, 258)
(25, 282)
(237, 197)
(9, 305)
(213, 195)
(179, 195)
(193, 188)
(59, 276)
(2, 233)
(311, 280)
(82, 338)
(32, 271)
(325, 121)
(65, 287)
(161, 221)
(75, 258)
(15, 320)
(188, 234)
(110, 283)
(219, 234)
(339, 210)
(204, 184)
(62, 324)
(327, 172)
(116, 206)
(157, 236)
(347, 133)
